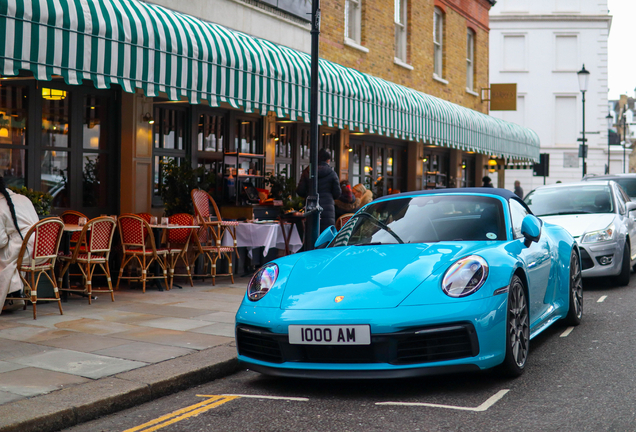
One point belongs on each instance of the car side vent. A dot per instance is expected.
(439, 344)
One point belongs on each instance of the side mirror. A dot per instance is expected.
(631, 206)
(326, 236)
(531, 229)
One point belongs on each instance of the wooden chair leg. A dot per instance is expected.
(34, 298)
(110, 283)
(89, 282)
(231, 269)
(56, 291)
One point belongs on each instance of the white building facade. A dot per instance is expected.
(541, 45)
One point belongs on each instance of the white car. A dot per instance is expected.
(599, 216)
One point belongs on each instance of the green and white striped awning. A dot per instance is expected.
(140, 45)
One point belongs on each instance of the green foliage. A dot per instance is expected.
(179, 178)
(91, 181)
(283, 188)
(41, 200)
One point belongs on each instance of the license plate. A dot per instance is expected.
(329, 335)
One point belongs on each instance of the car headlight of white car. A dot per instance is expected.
(465, 276)
(599, 236)
(262, 281)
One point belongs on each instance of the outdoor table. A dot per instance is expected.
(69, 229)
(265, 234)
(157, 231)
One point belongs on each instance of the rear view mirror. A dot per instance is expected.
(531, 229)
(631, 206)
(326, 236)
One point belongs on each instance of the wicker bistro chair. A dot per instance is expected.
(342, 220)
(93, 250)
(46, 236)
(177, 243)
(205, 244)
(132, 230)
(72, 217)
(201, 201)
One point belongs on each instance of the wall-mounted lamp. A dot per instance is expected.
(274, 136)
(348, 148)
(4, 132)
(148, 118)
(492, 165)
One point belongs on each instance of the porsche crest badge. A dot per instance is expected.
(339, 299)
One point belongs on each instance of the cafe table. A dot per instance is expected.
(265, 234)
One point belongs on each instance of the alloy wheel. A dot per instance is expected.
(518, 328)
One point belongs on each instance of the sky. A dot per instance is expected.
(622, 59)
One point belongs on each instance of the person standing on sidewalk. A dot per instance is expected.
(518, 189)
(17, 215)
(328, 189)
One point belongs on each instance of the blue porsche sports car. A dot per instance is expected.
(414, 284)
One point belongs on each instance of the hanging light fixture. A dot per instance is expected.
(53, 94)
(148, 118)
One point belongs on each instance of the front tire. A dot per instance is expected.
(575, 292)
(517, 330)
(623, 277)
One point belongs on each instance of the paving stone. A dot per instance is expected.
(32, 333)
(144, 352)
(33, 381)
(96, 327)
(8, 367)
(84, 342)
(6, 397)
(219, 329)
(10, 348)
(221, 317)
(170, 323)
(78, 363)
(171, 311)
(173, 338)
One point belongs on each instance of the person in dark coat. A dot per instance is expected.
(518, 189)
(487, 182)
(328, 189)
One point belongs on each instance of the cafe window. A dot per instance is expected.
(284, 149)
(14, 103)
(378, 166)
(169, 138)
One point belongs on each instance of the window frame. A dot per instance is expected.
(438, 45)
(353, 19)
(400, 10)
(470, 59)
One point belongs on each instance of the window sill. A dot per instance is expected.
(353, 44)
(442, 80)
(513, 71)
(399, 62)
(474, 93)
(564, 71)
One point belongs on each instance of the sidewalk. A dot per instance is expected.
(60, 370)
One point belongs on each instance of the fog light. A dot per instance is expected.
(605, 259)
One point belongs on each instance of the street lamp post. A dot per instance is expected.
(624, 138)
(610, 123)
(584, 77)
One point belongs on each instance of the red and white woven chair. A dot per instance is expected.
(72, 217)
(132, 230)
(91, 251)
(205, 244)
(201, 202)
(342, 220)
(177, 243)
(46, 236)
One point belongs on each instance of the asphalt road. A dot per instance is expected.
(580, 379)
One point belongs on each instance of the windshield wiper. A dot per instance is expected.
(381, 224)
(368, 244)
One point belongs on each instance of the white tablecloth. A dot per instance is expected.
(266, 235)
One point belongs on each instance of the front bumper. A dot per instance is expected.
(591, 255)
(405, 341)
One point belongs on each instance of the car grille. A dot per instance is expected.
(412, 346)
(586, 260)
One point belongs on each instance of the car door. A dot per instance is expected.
(539, 265)
(628, 219)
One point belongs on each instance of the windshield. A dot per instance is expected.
(425, 219)
(629, 184)
(571, 200)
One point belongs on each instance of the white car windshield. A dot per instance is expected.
(425, 219)
(571, 200)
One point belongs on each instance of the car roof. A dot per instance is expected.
(504, 193)
(580, 183)
(611, 176)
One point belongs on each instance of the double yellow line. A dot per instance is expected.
(213, 401)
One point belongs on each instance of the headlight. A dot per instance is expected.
(465, 276)
(262, 282)
(599, 236)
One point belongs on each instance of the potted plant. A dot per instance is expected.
(179, 178)
(41, 200)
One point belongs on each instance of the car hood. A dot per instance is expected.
(373, 276)
(579, 224)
